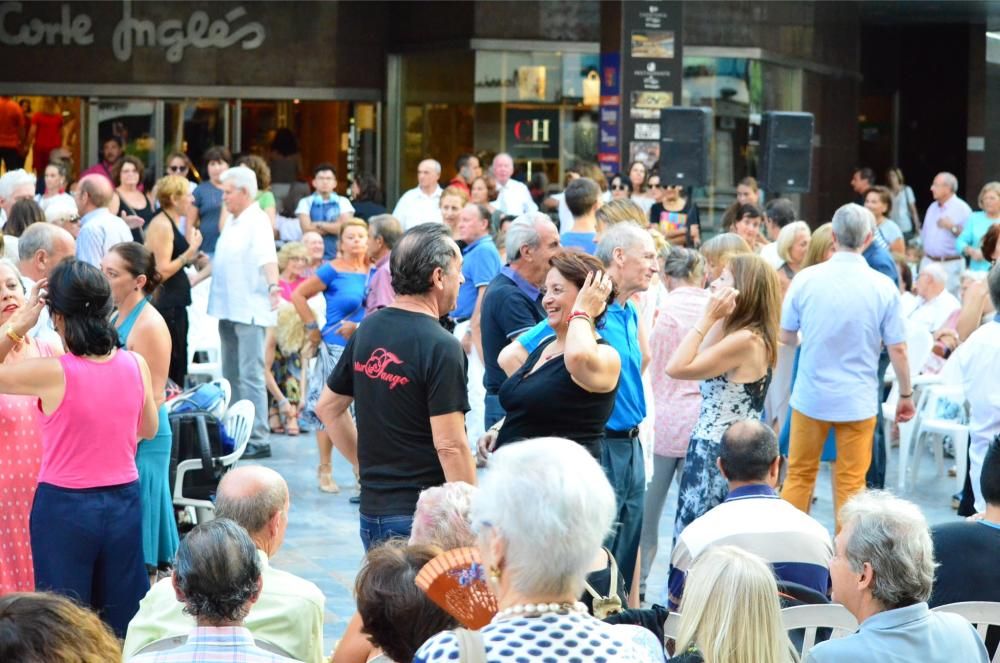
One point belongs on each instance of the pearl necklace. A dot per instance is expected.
(539, 609)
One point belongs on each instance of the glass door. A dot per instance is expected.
(134, 122)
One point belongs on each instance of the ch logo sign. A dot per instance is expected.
(532, 131)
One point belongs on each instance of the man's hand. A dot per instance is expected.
(905, 410)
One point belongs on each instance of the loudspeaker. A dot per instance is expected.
(684, 134)
(786, 151)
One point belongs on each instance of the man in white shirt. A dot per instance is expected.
(422, 204)
(974, 365)
(324, 210)
(934, 303)
(99, 228)
(15, 185)
(40, 249)
(778, 214)
(512, 196)
(244, 297)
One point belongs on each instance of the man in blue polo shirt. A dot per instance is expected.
(583, 198)
(512, 302)
(324, 210)
(629, 255)
(480, 265)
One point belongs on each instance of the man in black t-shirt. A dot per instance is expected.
(406, 377)
(512, 302)
(967, 551)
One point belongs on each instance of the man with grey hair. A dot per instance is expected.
(883, 572)
(99, 228)
(512, 301)
(752, 517)
(384, 232)
(218, 579)
(845, 311)
(406, 377)
(943, 222)
(934, 303)
(15, 185)
(244, 297)
(289, 611)
(421, 204)
(629, 256)
(40, 248)
(513, 197)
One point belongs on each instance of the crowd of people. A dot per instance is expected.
(588, 348)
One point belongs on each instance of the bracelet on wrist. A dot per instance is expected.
(312, 326)
(698, 331)
(909, 395)
(580, 314)
(13, 335)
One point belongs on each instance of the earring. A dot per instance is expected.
(495, 574)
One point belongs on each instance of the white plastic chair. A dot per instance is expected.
(919, 343)
(203, 334)
(981, 614)
(932, 430)
(810, 618)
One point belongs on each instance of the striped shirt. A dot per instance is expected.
(755, 519)
(206, 644)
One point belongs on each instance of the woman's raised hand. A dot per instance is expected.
(722, 302)
(593, 296)
(26, 317)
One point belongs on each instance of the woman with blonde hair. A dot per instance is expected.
(820, 246)
(732, 350)
(793, 244)
(452, 201)
(730, 611)
(718, 251)
(173, 250)
(976, 226)
(283, 344)
(618, 211)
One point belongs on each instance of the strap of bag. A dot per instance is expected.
(471, 648)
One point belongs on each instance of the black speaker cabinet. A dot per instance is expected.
(786, 151)
(684, 134)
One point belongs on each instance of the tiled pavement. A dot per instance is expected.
(322, 543)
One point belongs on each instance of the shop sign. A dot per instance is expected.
(173, 35)
(533, 134)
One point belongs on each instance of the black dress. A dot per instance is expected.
(171, 299)
(548, 403)
(145, 213)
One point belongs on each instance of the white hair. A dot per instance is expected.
(936, 272)
(620, 236)
(12, 266)
(13, 179)
(442, 517)
(851, 225)
(549, 501)
(60, 209)
(950, 180)
(435, 164)
(891, 535)
(503, 155)
(787, 235)
(242, 178)
(523, 231)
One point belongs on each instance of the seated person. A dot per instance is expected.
(217, 579)
(966, 550)
(289, 610)
(883, 573)
(39, 626)
(397, 615)
(754, 518)
(731, 606)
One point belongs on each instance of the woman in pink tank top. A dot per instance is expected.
(94, 403)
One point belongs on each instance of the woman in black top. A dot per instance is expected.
(173, 251)
(675, 215)
(365, 197)
(132, 201)
(567, 386)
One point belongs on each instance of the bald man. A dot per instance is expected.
(40, 248)
(289, 612)
(99, 228)
(421, 204)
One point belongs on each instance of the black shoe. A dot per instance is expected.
(257, 451)
(354, 499)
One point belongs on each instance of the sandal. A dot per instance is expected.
(324, 473)
(274, 421)
(292, 422)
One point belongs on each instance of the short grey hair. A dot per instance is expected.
(422, 249)
(936, 272)
(620, 235)
(242, 178)
(435, 164)
(251, 511)
(950, 180)
(442, 517)
(891, 534)
(787, 235)
(851, 225)
(60, 209)
(993, 283)
(387, 227)
(551, 504)
(36, 237)
(13, 179)
(523, 231)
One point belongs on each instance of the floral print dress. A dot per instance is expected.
(722, 403)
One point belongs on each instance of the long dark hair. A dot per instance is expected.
(80, 293)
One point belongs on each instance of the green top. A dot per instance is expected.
(266, 200)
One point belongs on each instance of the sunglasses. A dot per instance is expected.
(619, 187)
(656, 186)
(178, 169)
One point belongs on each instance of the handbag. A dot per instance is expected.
(471, 648)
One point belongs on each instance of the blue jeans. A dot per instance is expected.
(623, 465)
(492, 412)
(876, 471)
(376, 529)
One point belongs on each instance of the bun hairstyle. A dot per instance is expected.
(139, 261)
(82, 296)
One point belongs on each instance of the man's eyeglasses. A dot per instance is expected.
(178, 169)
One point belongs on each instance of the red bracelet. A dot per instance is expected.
(579, 314)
